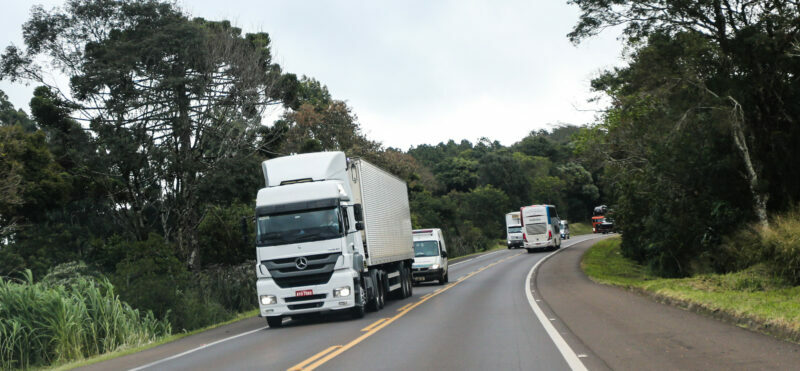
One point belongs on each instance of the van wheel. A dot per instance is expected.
(275, 321)
(529, 251)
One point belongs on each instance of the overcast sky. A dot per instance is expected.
(418, 71)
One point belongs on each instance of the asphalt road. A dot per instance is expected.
(481, 320)
(610, 328)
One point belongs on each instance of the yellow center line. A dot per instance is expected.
(404, 307)
(313, 358)
(325, 356)
(370, 327)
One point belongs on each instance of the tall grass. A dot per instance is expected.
(43, 323)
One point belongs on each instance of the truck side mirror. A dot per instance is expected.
(444, 254)
(359, 226)
(358, 213)
(243, 226)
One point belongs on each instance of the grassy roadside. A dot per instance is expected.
(577, 229)
(752, 298)
(167, 339)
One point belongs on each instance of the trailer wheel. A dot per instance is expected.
(381, 292)
(404, 273)
(275, 321)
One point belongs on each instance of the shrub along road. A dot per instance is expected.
(612, 328)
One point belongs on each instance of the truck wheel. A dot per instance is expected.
(410, 277)
(381, 294)
(406, 283)
(529, 251)
(446, 278)
(275, 321)
(360, 308)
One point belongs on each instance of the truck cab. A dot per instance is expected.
(430, 256)
(513, 230)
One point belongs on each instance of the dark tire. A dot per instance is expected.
(381, 294)
(275, 321)
(360, 308)
(410, 283)
(407, 281)
(529, 251)
(442, 279)
(446, 277)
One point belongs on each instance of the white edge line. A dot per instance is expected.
(194, 350)
(569, 355)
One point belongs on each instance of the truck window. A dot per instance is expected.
(426, 248)
(514, 229)
(298, 226)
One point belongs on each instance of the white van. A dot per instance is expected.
(430, 256)
(540, 227)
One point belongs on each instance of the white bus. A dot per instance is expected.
(540, 228)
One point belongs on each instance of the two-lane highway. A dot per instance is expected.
(481, 320)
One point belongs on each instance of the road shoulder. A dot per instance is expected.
(613, 328)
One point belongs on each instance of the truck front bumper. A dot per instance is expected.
(514, 243)
(320, 299)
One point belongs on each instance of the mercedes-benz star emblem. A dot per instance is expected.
(301, 263)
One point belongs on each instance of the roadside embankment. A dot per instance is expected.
(751, 298)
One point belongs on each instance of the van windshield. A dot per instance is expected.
(514, 229)
(426, 248)
(298, 226)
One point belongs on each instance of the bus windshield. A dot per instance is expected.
(298, 226)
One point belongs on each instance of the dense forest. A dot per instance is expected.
(128, 188)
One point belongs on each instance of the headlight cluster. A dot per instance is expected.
(341, 292)
(268, 299)
(435, 266)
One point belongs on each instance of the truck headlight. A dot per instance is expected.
(435, 266)
(268, 299)
(342, 291)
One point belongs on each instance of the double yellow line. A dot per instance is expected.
(331, 352)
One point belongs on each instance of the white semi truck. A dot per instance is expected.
(332, 234)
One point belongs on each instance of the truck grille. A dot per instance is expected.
(305, 280)
(318, 270)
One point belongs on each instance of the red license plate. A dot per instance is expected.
(304, 293)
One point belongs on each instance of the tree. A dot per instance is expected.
(751, 74)
(169, 99)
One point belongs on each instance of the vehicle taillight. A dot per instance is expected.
(524, 237)
(549, 235)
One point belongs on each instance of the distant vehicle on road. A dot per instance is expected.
(540, 227)
(564, 229)
(606, 226)
(513, 230)
(430, 256)
(332, 235)
(600, 214)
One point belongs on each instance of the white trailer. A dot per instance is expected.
(332, 234)
(513, 230)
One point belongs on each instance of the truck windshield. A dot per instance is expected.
(298, 226)
(426, 248)
(514, 229)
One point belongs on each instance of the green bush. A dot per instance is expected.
(781, 246)
(62, 320)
